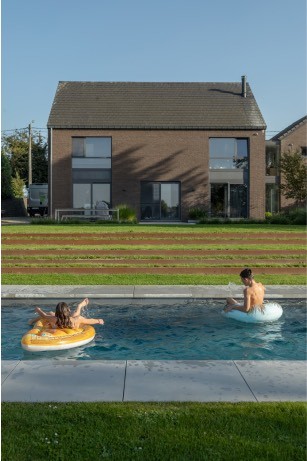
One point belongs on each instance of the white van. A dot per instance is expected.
(38, 199)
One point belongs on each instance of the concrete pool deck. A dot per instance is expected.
(141, 380)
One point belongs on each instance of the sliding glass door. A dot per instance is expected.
(229, 200)
(87, 195)
(160, 201)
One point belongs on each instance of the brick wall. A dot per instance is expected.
(157, 155)
(257, 175)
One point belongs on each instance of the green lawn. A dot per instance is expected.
(186, 238)
(143, 279)
(153, 228)
(153, 431)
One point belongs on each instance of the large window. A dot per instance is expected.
(229, 200)
(91, 171)
(228, 153)
(160, 201)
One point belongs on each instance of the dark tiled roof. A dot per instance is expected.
(289, 128)
(132, 105)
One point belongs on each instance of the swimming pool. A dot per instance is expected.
(166, 330)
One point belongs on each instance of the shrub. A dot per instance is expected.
(126, 213)
(18, 186)
(294, 216)
(197, 213)
(44, 221)
(298, 216)
(279, 218)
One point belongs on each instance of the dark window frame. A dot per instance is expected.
(156, 206)
(83, 150)
(237, 161)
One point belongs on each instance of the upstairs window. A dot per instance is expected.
(92, 147)
(91, 153)
(228, 153)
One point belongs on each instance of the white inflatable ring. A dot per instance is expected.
(271, 312)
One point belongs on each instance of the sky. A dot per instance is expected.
(47, 41)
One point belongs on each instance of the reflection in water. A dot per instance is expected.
(81, 353)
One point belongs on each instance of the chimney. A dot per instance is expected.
(243, 86)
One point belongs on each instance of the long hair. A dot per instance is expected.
(62, 313)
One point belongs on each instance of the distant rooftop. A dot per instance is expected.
(289, 128)
(133, 105)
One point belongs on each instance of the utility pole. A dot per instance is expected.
(30, 156)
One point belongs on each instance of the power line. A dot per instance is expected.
(22, 129)
(14, 129)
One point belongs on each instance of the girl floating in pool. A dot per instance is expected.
(253, 294)
(63, 318)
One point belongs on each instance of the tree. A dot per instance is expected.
(293, 169)
(16, 148)
(18, 186)
(39, 160)
(6, 177)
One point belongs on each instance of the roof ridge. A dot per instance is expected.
(149, 82)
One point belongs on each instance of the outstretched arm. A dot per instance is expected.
(83, 303)
(43, 314)
(35, 319)
(86, 321)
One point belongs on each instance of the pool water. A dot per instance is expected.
(163, 330)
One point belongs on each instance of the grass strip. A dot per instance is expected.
(144, 265)
(144, 279)
(146, 257)
(164, 229)
(153, 431)
(157, 237)
(160, 247)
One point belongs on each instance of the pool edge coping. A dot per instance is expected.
(144, 291)
(249, 381)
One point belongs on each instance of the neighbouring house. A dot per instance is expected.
(291, 139)
(161, 148)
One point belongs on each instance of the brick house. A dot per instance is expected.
(161, 148)
(291, 139)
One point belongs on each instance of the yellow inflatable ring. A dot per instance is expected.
(43, 338)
